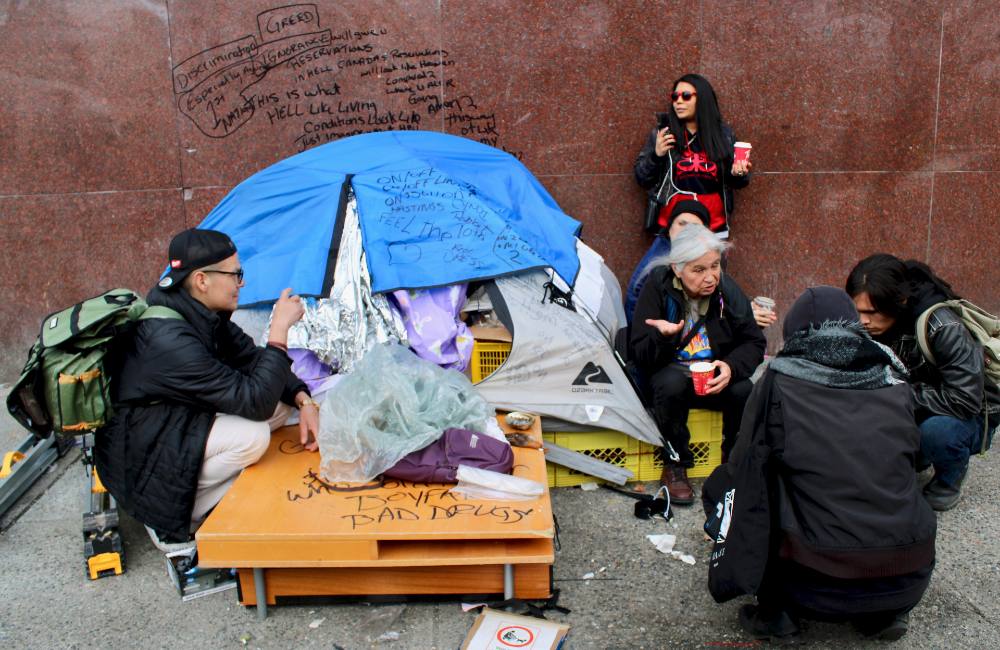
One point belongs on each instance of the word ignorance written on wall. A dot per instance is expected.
(330, 83)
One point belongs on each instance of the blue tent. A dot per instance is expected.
(434, 209)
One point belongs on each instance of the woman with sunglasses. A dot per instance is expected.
(692, 154)
(689, 157)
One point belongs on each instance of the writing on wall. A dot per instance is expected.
(329, 82)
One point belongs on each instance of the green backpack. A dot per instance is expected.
(64, 387)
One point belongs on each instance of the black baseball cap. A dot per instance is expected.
(193, 249)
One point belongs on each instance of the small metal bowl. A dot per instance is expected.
(519, 420)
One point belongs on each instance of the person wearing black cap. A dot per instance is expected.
(818, 511)
(194, 398)
(684, 213)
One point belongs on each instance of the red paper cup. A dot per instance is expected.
(741, 151)
(701, 372)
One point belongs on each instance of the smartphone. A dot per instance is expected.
(662, 121)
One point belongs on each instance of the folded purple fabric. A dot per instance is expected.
(433, 328)
(438, 462)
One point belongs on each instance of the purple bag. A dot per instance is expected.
(438, 462)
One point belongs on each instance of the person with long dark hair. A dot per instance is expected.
(956, 406)
(688, 157)
(691, 156)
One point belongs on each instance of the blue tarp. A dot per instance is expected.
(435, 209)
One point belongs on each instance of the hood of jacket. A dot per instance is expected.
(839, 355)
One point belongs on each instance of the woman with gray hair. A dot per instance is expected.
(689, 311)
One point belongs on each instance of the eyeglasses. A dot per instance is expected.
(238, 274)
(685, 95)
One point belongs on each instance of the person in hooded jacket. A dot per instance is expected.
(828, 438)
(195, 400)
(957, 406)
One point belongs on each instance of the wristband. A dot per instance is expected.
(280, 346)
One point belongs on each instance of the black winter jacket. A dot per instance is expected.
(649, 169)
(732, 331)
(838, 472)
(173, 377)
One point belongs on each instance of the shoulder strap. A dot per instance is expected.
(692, 333)
(921, 331)
(159, 311)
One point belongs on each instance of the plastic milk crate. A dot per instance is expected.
(487, 357)
(705, 444)
(642, 458)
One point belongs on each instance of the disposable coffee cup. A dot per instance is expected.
(765, 303)
(741, 151)
(701, 372)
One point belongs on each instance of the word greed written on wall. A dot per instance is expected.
(331, 83)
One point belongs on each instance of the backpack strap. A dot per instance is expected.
(922, 331)
(159, 311)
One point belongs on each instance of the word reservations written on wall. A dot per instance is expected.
(329, 83)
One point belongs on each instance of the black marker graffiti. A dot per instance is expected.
(401, 501)
(330, 82)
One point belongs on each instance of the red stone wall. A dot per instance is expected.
(874, 124)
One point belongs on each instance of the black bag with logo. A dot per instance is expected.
(737, 505)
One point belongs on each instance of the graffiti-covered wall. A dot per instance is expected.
(874, 124)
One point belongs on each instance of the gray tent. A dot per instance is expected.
(561, 362)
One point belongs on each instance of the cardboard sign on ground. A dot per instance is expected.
(498, 630)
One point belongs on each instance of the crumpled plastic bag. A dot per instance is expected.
(393, 403)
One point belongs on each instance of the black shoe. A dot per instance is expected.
(894, 630)
(942, 496)
(780, 630)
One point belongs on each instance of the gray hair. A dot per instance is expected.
(691, 243)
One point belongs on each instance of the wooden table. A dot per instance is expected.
(290, 533)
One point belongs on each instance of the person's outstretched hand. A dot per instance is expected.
(665, 327)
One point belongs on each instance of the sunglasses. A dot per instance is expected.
(238, 274)
(686, 95)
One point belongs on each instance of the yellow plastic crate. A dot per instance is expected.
(487, 357)
(612, 447)
(706, 445)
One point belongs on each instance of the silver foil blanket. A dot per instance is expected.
(342, 328)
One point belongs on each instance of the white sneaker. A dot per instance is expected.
(172, 549)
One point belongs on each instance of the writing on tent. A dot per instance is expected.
(425, 214)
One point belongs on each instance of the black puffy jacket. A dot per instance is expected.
(838, 471)
(173, 377)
